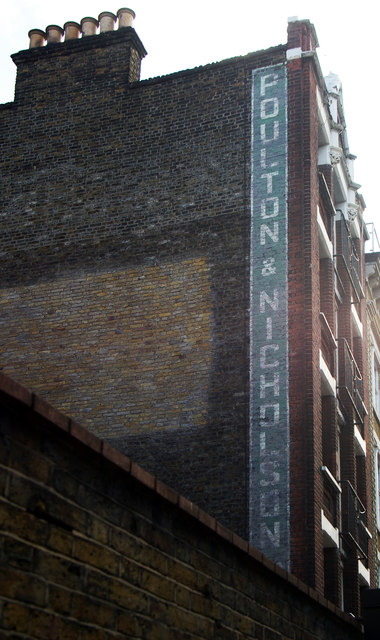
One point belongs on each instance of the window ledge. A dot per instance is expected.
(364, 574)
(329, 476)
(329, 532)
(328, 383)
(360, 443)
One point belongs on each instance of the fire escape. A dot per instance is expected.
(354, 524)
(347, 258)
(354, 532)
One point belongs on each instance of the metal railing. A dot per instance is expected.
(350, 379)
(354, 529)
(348, 258)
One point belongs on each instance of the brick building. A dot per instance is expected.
(183, 274)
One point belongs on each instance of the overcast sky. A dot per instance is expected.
(181, 35)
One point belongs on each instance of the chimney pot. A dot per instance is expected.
(72, 30)
(126, 17)
(89, 26)
(107, 21)
(36, 38)
(54, 33)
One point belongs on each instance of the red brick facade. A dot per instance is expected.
(304, 393)
(322, 287)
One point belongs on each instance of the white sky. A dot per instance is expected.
(181, 35)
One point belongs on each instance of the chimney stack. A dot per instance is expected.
(94, 56)
(301, 35)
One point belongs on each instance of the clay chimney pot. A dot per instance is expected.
(54, 33)
(89, 26)
(72, 30)
(107, 21)
(126, 17)
(36, 38)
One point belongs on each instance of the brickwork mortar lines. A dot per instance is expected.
(93, 570)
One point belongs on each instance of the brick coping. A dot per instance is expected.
(235, 60)
(80, 44)
(14, 394)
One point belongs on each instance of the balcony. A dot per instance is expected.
(347, 260)
(350, 382)
(354, 529)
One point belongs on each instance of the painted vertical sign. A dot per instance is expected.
(269, 408)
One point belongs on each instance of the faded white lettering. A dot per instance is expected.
(272, 302)
(264, 364)
(272, 134)
(269, 108)
(270, 384)
(266, 231)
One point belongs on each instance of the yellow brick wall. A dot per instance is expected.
(93, 547)
(134, 344)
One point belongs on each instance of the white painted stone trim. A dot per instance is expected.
(326, 471)
(325, 244)
(357, 322)
(355, 228)
(330, 533)
(291, 54)
(364, 574)
(323, 119)
(328, 382)
(340, 174)
(360, 443)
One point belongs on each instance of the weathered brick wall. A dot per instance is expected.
(126, 239)
(94, 547)
(127, 316)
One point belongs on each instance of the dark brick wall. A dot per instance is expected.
(126, 238)
(94, 547)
